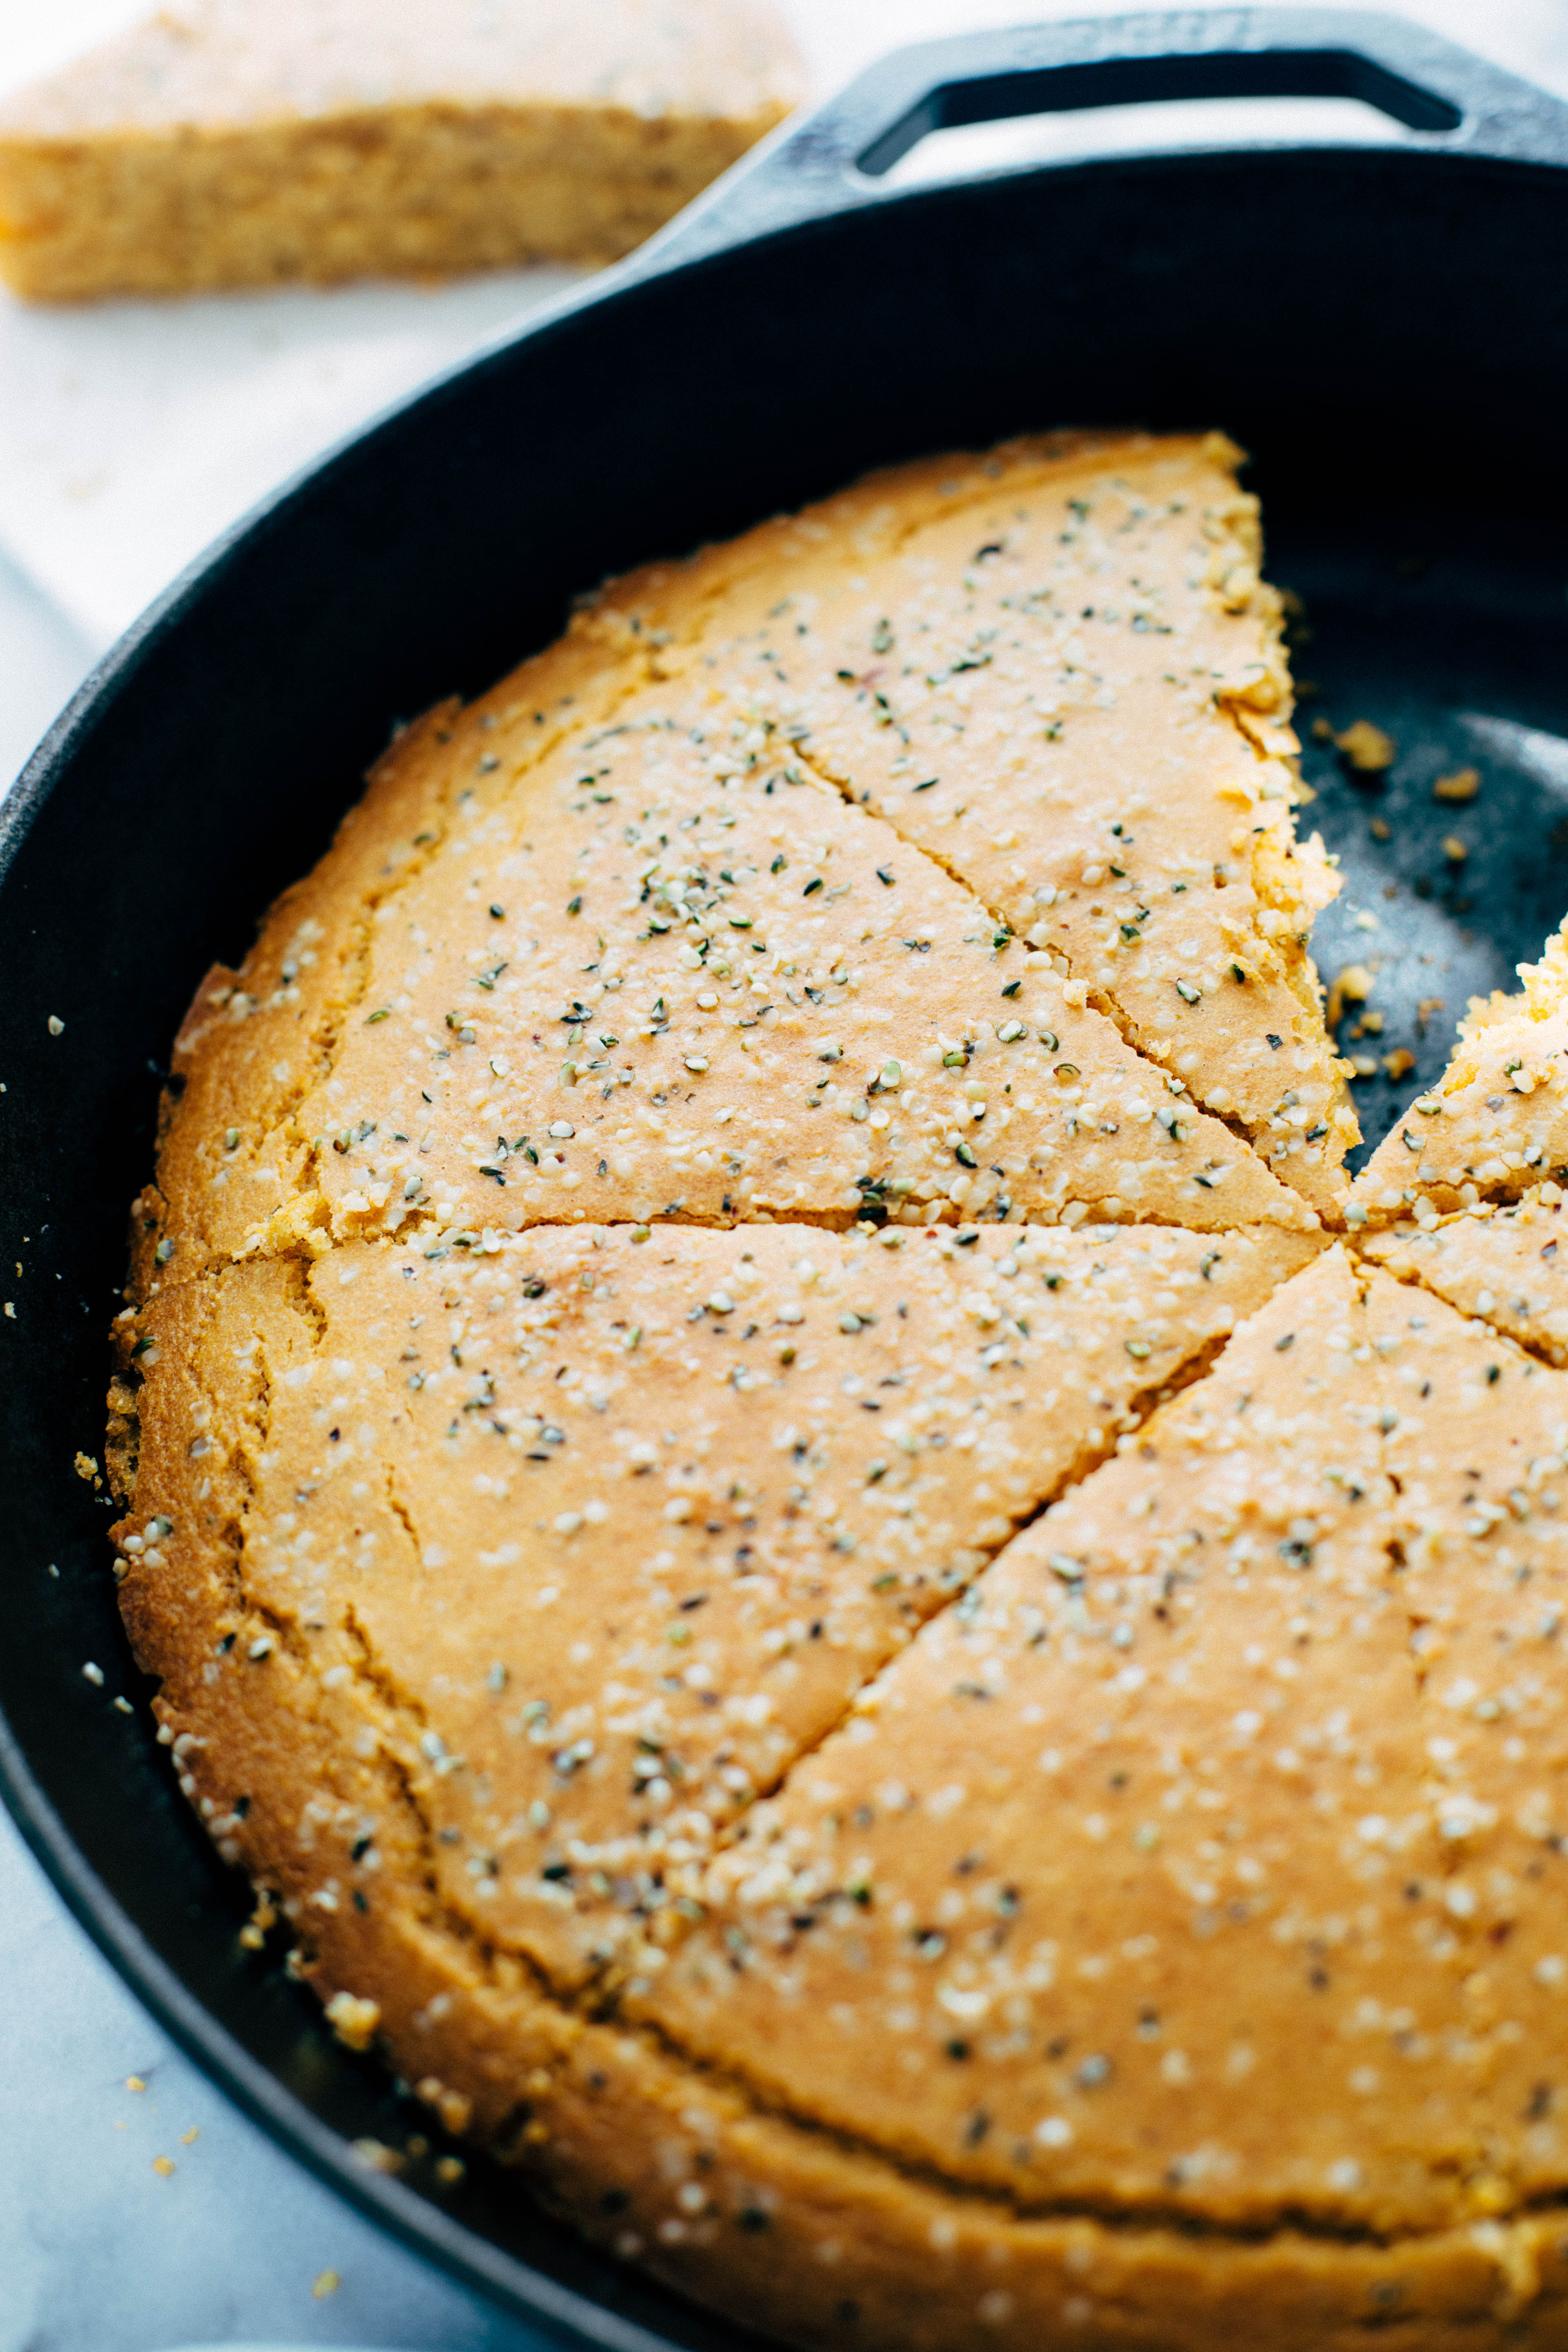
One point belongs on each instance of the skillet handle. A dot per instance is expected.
(834, 160)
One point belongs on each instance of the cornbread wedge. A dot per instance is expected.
(1496, 1123)
(1507, 1265)
(248, 142)
(1057, 670)
(662, 1502)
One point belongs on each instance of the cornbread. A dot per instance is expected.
(1507, 1265)
(772, 1528)
(249, 142)
(1496, 1123)
(778, 1447)
(1057, 670)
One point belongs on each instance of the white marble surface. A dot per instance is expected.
(101, 2252)
(128, 434)
(43, 660)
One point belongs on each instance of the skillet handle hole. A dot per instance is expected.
(1203, 99)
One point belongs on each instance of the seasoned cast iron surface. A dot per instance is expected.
(1452, 638)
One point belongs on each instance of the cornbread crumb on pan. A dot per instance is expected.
(247, 143)
(592, 1532)
(832, 1619)
(1057, 670)
(1496, 1124)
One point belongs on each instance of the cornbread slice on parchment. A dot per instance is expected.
(246, 142)
(1496, 1124)
(1055, 668)
(1204, 1864)
(594, 1531)
(661, 970)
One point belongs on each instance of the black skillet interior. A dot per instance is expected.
(1386, 328)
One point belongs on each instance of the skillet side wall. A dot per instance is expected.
(1386, 328)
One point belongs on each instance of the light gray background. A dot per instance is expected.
(100, 2252)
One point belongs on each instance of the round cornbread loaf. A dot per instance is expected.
(772, 1526)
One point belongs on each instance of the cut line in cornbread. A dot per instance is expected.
(1496, 1123)
(1051, 1918)
(1057, 670)
(662, 971)
(1507, 1265)
(249, 142)
(693, 1487)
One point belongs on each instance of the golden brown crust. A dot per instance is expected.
(608, 1642)
(237, 142)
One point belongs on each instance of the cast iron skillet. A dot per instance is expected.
(1384, 326)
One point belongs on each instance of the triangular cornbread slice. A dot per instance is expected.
(662, 971)
(257, 1037)
(244, 143)
(1056, 669)
(1204, 1862)
(593, 1532)
(1507, 1265)
(1496, 1123)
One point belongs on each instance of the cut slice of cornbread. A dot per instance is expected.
(245, 142)
(1055, 668)
(1496, 1123)
(1507, 1265)
(659, 1508)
